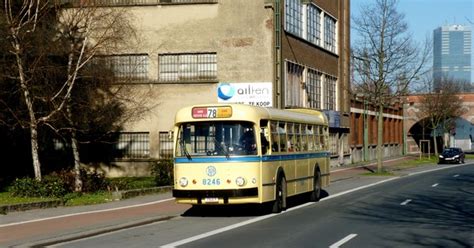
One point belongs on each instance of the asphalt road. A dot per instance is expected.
(434, 209)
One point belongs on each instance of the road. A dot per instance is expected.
(434, 209)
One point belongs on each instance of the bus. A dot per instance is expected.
(243, 154)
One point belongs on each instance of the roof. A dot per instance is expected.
(256, 113)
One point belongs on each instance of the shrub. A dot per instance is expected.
(93, 181)
(50, 186)
(162, 170)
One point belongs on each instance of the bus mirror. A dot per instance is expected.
(170, 134)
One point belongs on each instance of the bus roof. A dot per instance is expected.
(251, 113)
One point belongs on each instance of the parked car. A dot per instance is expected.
(451, 155)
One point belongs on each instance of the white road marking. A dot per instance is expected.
(343, 241)
(456, 175)
(247, 222)
(83, 213)
(435, 185)
(405, 202)
(437, 169)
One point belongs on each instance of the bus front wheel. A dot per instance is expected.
(316, 193)
(280, 196)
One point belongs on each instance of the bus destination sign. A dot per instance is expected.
(212, 112)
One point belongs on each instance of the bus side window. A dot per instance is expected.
(291, 137)
(304, 138)
(298, 144)
(274, 136)
(263, 139)
(282, 136)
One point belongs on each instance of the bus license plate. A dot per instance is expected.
(211, 200)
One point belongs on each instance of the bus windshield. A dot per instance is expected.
(216, 138)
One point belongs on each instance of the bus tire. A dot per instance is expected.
(316, 193)
(280, 195)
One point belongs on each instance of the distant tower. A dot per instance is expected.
(452, 54)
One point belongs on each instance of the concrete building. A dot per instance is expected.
(274, 53)
(452, 54)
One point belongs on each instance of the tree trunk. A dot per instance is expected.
(31, 112)
(380, 140)
(435, 143)
(75, 152)
(77, 163)
(34, 151)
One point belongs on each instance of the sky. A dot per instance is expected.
(423, 16)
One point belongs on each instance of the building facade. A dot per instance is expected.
(364, 131)
(274, 53)
(452, 53)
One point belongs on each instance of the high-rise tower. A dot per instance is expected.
(452, 54)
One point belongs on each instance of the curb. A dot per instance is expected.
(125, 194)
(31, 205)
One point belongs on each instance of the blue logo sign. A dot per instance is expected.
(211, 171)
(225, 91)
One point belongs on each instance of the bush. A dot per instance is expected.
(93, 181)
(162, 170)
(50, 186)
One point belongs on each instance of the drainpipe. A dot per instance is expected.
(278, 54)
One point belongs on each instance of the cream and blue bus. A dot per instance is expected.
(239, 154)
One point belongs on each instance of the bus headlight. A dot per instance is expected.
(240, 181)
(183, 182)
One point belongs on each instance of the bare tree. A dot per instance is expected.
(387, 59)
(79, 33)
(441, 107)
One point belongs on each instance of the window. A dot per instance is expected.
(187, 1)
(219, 138)
(76, 3)
(314, 24)
(166, 145)
(313, 86)
(187, 67)
(294, 79)
(125, 68)
(293, 17)
(132, 145)
(330, 93)
(330, 33)
(282, 134)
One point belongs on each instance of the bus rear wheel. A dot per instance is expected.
(316, 193)
(280, 196)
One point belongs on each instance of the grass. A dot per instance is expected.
(126, 183)
(77, 199)
(6, 198)
(375, 173)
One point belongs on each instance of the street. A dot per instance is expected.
(433, 209)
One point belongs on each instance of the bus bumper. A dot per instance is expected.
(226, 196)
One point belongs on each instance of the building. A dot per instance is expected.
(452, 54)
(275, 53)
(364, 131)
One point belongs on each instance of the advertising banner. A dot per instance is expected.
(258, 93)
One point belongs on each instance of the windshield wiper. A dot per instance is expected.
(185, 151)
